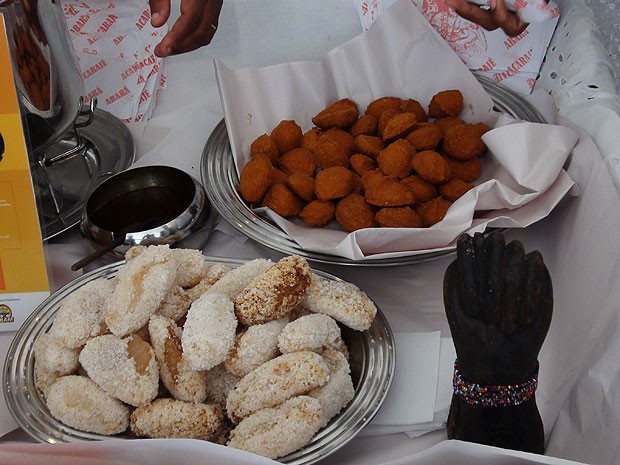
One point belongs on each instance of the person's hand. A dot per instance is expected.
(498, 302)
(497, 16)
(195, 27)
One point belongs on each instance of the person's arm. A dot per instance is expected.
(195, 27)
(497, 16)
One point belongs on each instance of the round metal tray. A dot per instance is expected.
(221, 181)
(372, 358)
(63, 187)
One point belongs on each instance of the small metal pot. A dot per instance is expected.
(144, 206)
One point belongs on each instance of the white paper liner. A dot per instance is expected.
(401, 55)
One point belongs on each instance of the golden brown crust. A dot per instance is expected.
(431, 166)
(398, 217)
(353, 213)
(333, 183)
(446, 103)
(287, 135)
(282, 200)
(395, 159)
(340, 114)
(433, 211)
(318, 213)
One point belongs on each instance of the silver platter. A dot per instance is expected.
(221, 181)
(63, 187)
(372, 359)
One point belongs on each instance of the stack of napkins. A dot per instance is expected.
(419, 397)
(513, 61)
(114, 44)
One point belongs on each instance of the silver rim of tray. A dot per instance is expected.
(28, 408)
(221, 182)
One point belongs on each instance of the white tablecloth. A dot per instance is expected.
(578, 240)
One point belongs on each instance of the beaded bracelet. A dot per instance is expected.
(509, 395)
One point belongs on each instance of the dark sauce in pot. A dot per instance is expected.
(142, 209)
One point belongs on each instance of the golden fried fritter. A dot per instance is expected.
(454, 189)
(463, 142)
(378, 106)
(368, 145)
(318, 213)
(264, 144)
(446, 103)
(287, 135)
(446, 123)
(467, 171)
(298, 160)
(372, 177)
(398, 217)
(431, 166)
(255, 179)
(353, 213)
(413, 106)
(384, 119)
(333, 149)
(398, 126)
(433, 211)
(310, 138)
(302, 185)
(395, 159)
(362, 163)
(366, 124)
(425, 137)
(278, 176)
(333, 183)
(422, 190)
(341, 114)
(389, 193)
(282, 200)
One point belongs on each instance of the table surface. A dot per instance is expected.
(412, 299)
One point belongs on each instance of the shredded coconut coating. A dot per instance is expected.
(274, 293)
(81, 313)
(343, 301)
(233, 282)
(275, 381)
(182, 382)
(111, 362)
(209, 331)
(219, 382)
(276, 432)
(52, 355)
(338, 391)
(134, 251)
(253, 347)
(176, 304)
(170, 418)
(211, 276)
(313, 332)
(79, 403)
(142, 285)
(192, 267)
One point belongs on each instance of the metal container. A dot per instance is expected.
(47, 76)
(143, 206)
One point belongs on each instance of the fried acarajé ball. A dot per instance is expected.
(433, 211)
(431, 166)
(454, 189)
(425, 137)
(353, 213)
(358, 187)
(310, 138)
(384, 119)
(413, 106)
(255, 179)
(467, 171)
(378, 106)
(373, 177)
(287, 135)
(298, 160)
(463, 142)
(318, 213)
(282, 200)
(333, 183)
(302, 185)
(333, 149)
(389, 193)
(361, 164)
(423, 191)
(341, 114)
(395, 159)
(366, 124)
(398, 217)
(264, 144)
(368, 145)
(446, 103)
(398, 126)
(446, 123)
